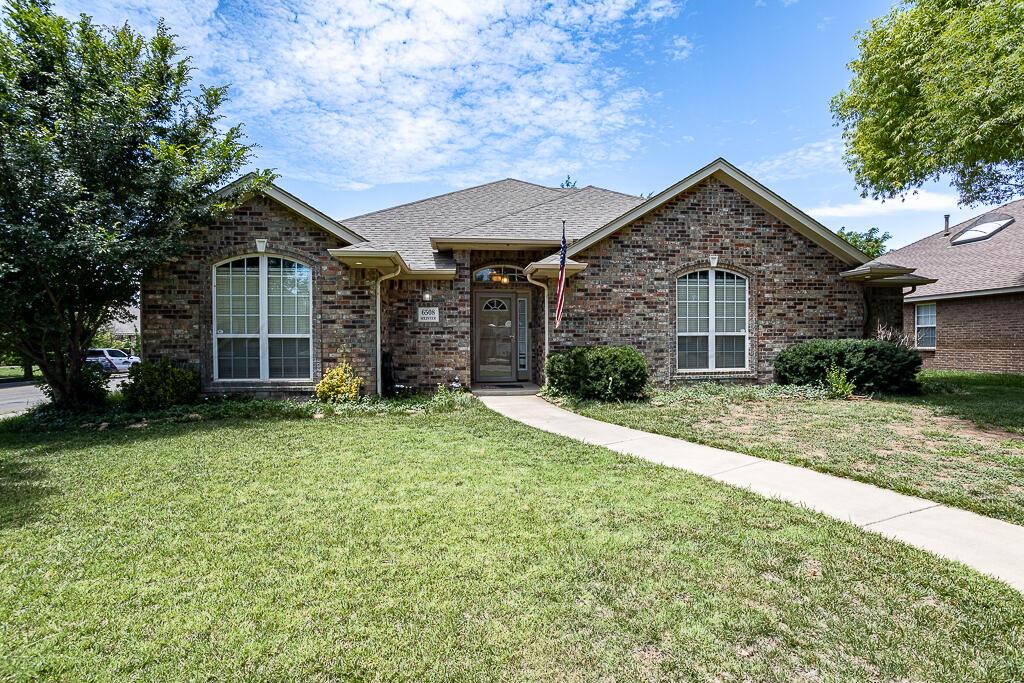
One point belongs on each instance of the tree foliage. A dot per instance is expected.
(108, 158)
(938, 88)
(871, 242)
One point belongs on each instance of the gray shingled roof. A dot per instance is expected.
(993, 263)
(584, 211)
(408, 228)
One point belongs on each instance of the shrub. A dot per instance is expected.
(872, 365)
(837, 383)
(152, 386)
(339, 384)
(446, 400)
(92, 387)
(608, 373)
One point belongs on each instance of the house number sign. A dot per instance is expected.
(429, 314)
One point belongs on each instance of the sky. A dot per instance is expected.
(361, 105)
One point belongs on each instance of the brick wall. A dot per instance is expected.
(979, 334)
(627, 294)
(176, 306)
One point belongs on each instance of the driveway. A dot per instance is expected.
(16, 397)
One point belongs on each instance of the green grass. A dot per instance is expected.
(958, 443)
(14, 373)
(457, 546)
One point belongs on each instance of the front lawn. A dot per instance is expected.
(459, 546)
(959, 443)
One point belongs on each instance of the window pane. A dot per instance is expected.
(730, 303)
(289, 358)
(926, 315)
(730, 352)
(288, 287)
(238, 302)
(238, 358)
(692, 353)
(691, 303)
(926, 337)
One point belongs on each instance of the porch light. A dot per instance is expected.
(427, 296)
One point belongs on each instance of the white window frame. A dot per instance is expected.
(935, 327)
(264, 325)
(710, 334)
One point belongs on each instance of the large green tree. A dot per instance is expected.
(108, 158)
(938, 90)
(871, 241)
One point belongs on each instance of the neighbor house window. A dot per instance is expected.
(711, 321)
(262, 312)
(925, 314)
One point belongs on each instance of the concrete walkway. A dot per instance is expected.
(989, 545)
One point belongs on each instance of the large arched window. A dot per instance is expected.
(262, 312)
(711, 321)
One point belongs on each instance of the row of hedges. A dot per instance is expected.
(620, 373)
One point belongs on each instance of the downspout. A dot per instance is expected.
(544, 286)
(380, 388)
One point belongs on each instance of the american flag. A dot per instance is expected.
(560, 294)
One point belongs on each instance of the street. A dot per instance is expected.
(18, 396)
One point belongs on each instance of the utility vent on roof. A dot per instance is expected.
(983, 228)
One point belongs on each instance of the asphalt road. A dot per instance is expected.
(18, 396)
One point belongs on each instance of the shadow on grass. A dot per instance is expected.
(22, 489)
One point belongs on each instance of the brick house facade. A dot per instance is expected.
(969, 315)
(976, 334)
(465, 303)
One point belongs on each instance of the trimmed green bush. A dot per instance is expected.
(874, 366)
(608, 373)
(152, 386)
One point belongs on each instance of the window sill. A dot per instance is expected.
(731, 372)
(925, 348)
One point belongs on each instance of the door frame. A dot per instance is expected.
(512, 295)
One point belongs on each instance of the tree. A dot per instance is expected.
(107, 160)
(938, 88)
(870, 241)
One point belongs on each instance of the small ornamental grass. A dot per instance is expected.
(339, 384)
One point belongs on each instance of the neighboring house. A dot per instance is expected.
(972, 316)
(710, 278)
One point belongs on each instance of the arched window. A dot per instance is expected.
(711, 321)
(262, 312)
(500, 275)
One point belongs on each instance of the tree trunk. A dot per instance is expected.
(26, 367)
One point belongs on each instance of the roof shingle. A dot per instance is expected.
(993, 263)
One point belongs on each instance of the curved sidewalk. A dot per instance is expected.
(988, 545)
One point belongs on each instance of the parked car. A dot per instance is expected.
(106, 366)
(117, 358)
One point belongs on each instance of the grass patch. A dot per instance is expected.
(416, 546)
(15, 373)
(958, 443)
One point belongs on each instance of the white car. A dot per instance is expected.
(120, 360)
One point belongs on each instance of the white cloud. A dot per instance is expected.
(361, 92)
(811, 159)
(680, 48)
(923, 201)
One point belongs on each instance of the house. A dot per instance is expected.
(972, 316)
(710, 278)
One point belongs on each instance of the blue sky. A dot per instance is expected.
(361, 105)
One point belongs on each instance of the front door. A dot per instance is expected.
(495, 352)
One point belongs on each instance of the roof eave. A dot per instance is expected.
(497, 243)
(387, 260)
(551, 269)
